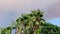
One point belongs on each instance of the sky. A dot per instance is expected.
(10, 10)
(55, 21)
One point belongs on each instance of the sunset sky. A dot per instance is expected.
(10, 10)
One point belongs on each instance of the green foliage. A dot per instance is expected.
(6, 30)
(32, 23)
(50, 29)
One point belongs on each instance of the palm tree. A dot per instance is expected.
(15, 25)
(29, 22)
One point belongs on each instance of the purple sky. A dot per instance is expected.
(12, 9)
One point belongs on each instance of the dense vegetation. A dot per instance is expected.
(32, 23)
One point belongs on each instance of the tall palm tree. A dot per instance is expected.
(28, 23)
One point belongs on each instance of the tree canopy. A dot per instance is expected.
(32, 23)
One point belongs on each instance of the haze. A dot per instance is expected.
(11, 9)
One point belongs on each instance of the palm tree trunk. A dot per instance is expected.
(17, 31)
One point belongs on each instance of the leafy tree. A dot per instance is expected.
(32, 23)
